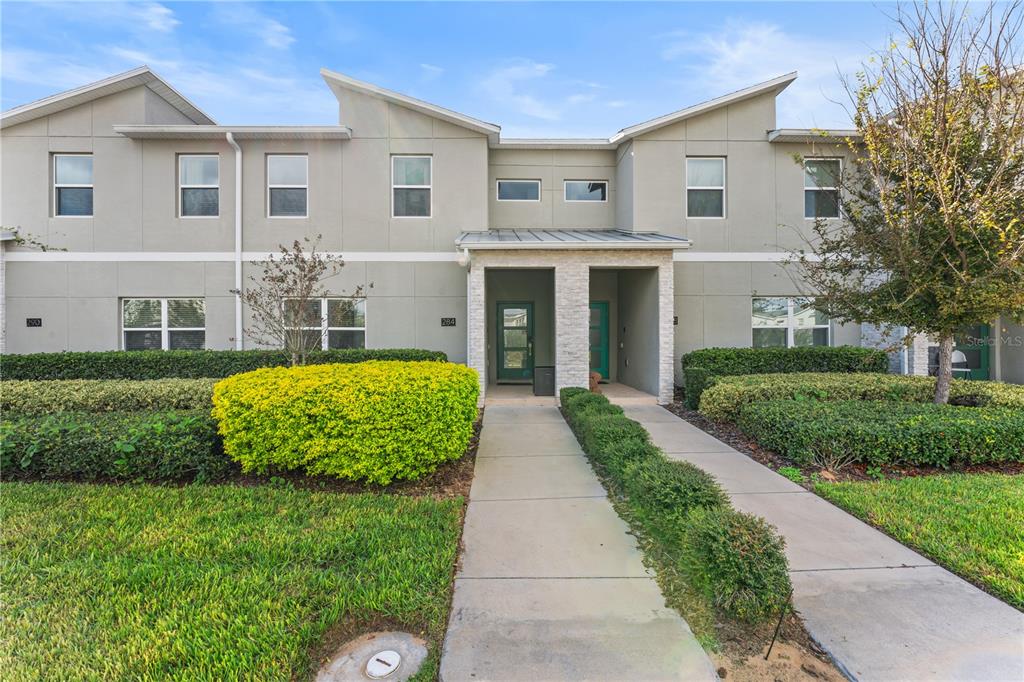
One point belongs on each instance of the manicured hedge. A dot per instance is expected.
(735, 560)
(183, 364)
(881, 432)
(718, 362)
(114, 395)
(166, 445)
(372, 421)
(723, 400)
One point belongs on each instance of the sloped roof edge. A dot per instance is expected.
(141, 75)
(333, 78)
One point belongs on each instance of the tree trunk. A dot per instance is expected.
(945, 373)
(295, 359)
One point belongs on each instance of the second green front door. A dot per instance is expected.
(515, 341)
(599, 338)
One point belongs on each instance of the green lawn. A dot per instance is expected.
(212, 582)
(973, 524)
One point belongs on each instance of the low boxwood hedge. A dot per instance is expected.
(735, 560)
(883, 432)
(718, 362)
(372, 421)
(723, 400)
(183, 364)
(98, 395)
(161, 445)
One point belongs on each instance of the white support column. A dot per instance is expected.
(572, 324)
(476, 323)
(666, 331)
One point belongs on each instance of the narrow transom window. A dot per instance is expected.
(199, 182)
(411, 186)
(821, 188)
(785, 322)
(72, 184)
(518, 190)
(586, 190)
(163, 323)
(287, 185)
(329, 323)
(705, 188)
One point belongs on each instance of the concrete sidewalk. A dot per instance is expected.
(551, 587)
(881, 610)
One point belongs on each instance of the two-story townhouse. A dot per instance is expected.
(613, 255)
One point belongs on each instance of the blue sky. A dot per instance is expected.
(537, 69)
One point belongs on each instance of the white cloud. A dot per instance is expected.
(506, 86)
(430, 72)
(155, 16)
(246, 18)
(740, 54)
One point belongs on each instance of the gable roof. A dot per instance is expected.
(142, 75)
(339, 80)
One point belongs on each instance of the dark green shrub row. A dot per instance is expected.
(183, 364)
(884, 432)
(718, 362)
(105, 395)
(735, 560)
(168, 445)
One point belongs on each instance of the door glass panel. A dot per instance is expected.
(515, 338)
(595, 317)
(515, 317)
(596, 359)
(595, 337)
(515, 359)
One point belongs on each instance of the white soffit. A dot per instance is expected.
(812, 135)
(142, 75)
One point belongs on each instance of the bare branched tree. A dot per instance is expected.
(284, 299)
(933, 240)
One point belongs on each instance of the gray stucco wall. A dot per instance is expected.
(638, 321)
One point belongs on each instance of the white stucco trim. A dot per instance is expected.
(735, 256)
(220, 256)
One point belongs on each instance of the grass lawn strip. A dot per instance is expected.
(213, 582)
(972, 524)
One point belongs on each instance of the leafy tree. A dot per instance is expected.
(933, 236)
(284, 299)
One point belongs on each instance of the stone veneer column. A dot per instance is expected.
(476, 323)
(666, 330)
(572, 323)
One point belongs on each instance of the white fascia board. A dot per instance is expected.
(28, 256)
(738, 256)
(553, 143)
(212, 132)
(811, 135)
(335, 79)
(776, 84)
(573, 246)
(142, 75)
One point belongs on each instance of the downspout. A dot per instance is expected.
(238, 240)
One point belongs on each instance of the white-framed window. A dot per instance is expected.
(332, 322)
(786, 322)
(287, 185)
(163, 323)
(705, 187)
(72, 185)
(586, 190)
(411, 189)
(518, 190)
(198, 185)
(821, 187)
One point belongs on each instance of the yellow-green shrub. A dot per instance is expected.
(105, 395)
(373, 421)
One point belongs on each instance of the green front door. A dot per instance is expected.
(599, 338)
(515, 341)
(974, 344)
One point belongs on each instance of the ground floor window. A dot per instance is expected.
(334, 323)
(787, 322)
(163, 323)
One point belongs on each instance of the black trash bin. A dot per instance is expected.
(543, 380)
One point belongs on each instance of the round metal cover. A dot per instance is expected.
(382, 664)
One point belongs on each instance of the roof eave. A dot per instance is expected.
(810, 135)
(564, 246)
(183, 132)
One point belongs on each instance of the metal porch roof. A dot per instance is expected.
(568, 239)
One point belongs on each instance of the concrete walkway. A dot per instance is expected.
(550, 585)
(881, 610)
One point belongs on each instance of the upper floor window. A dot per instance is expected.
(788, 322)
(518, 190)
(163, 323)
(586, 190)
(821, 188)
(410, 186)
(329, 323)
(199, 182)
(287, 185)
(705, 188)
(72, 184)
